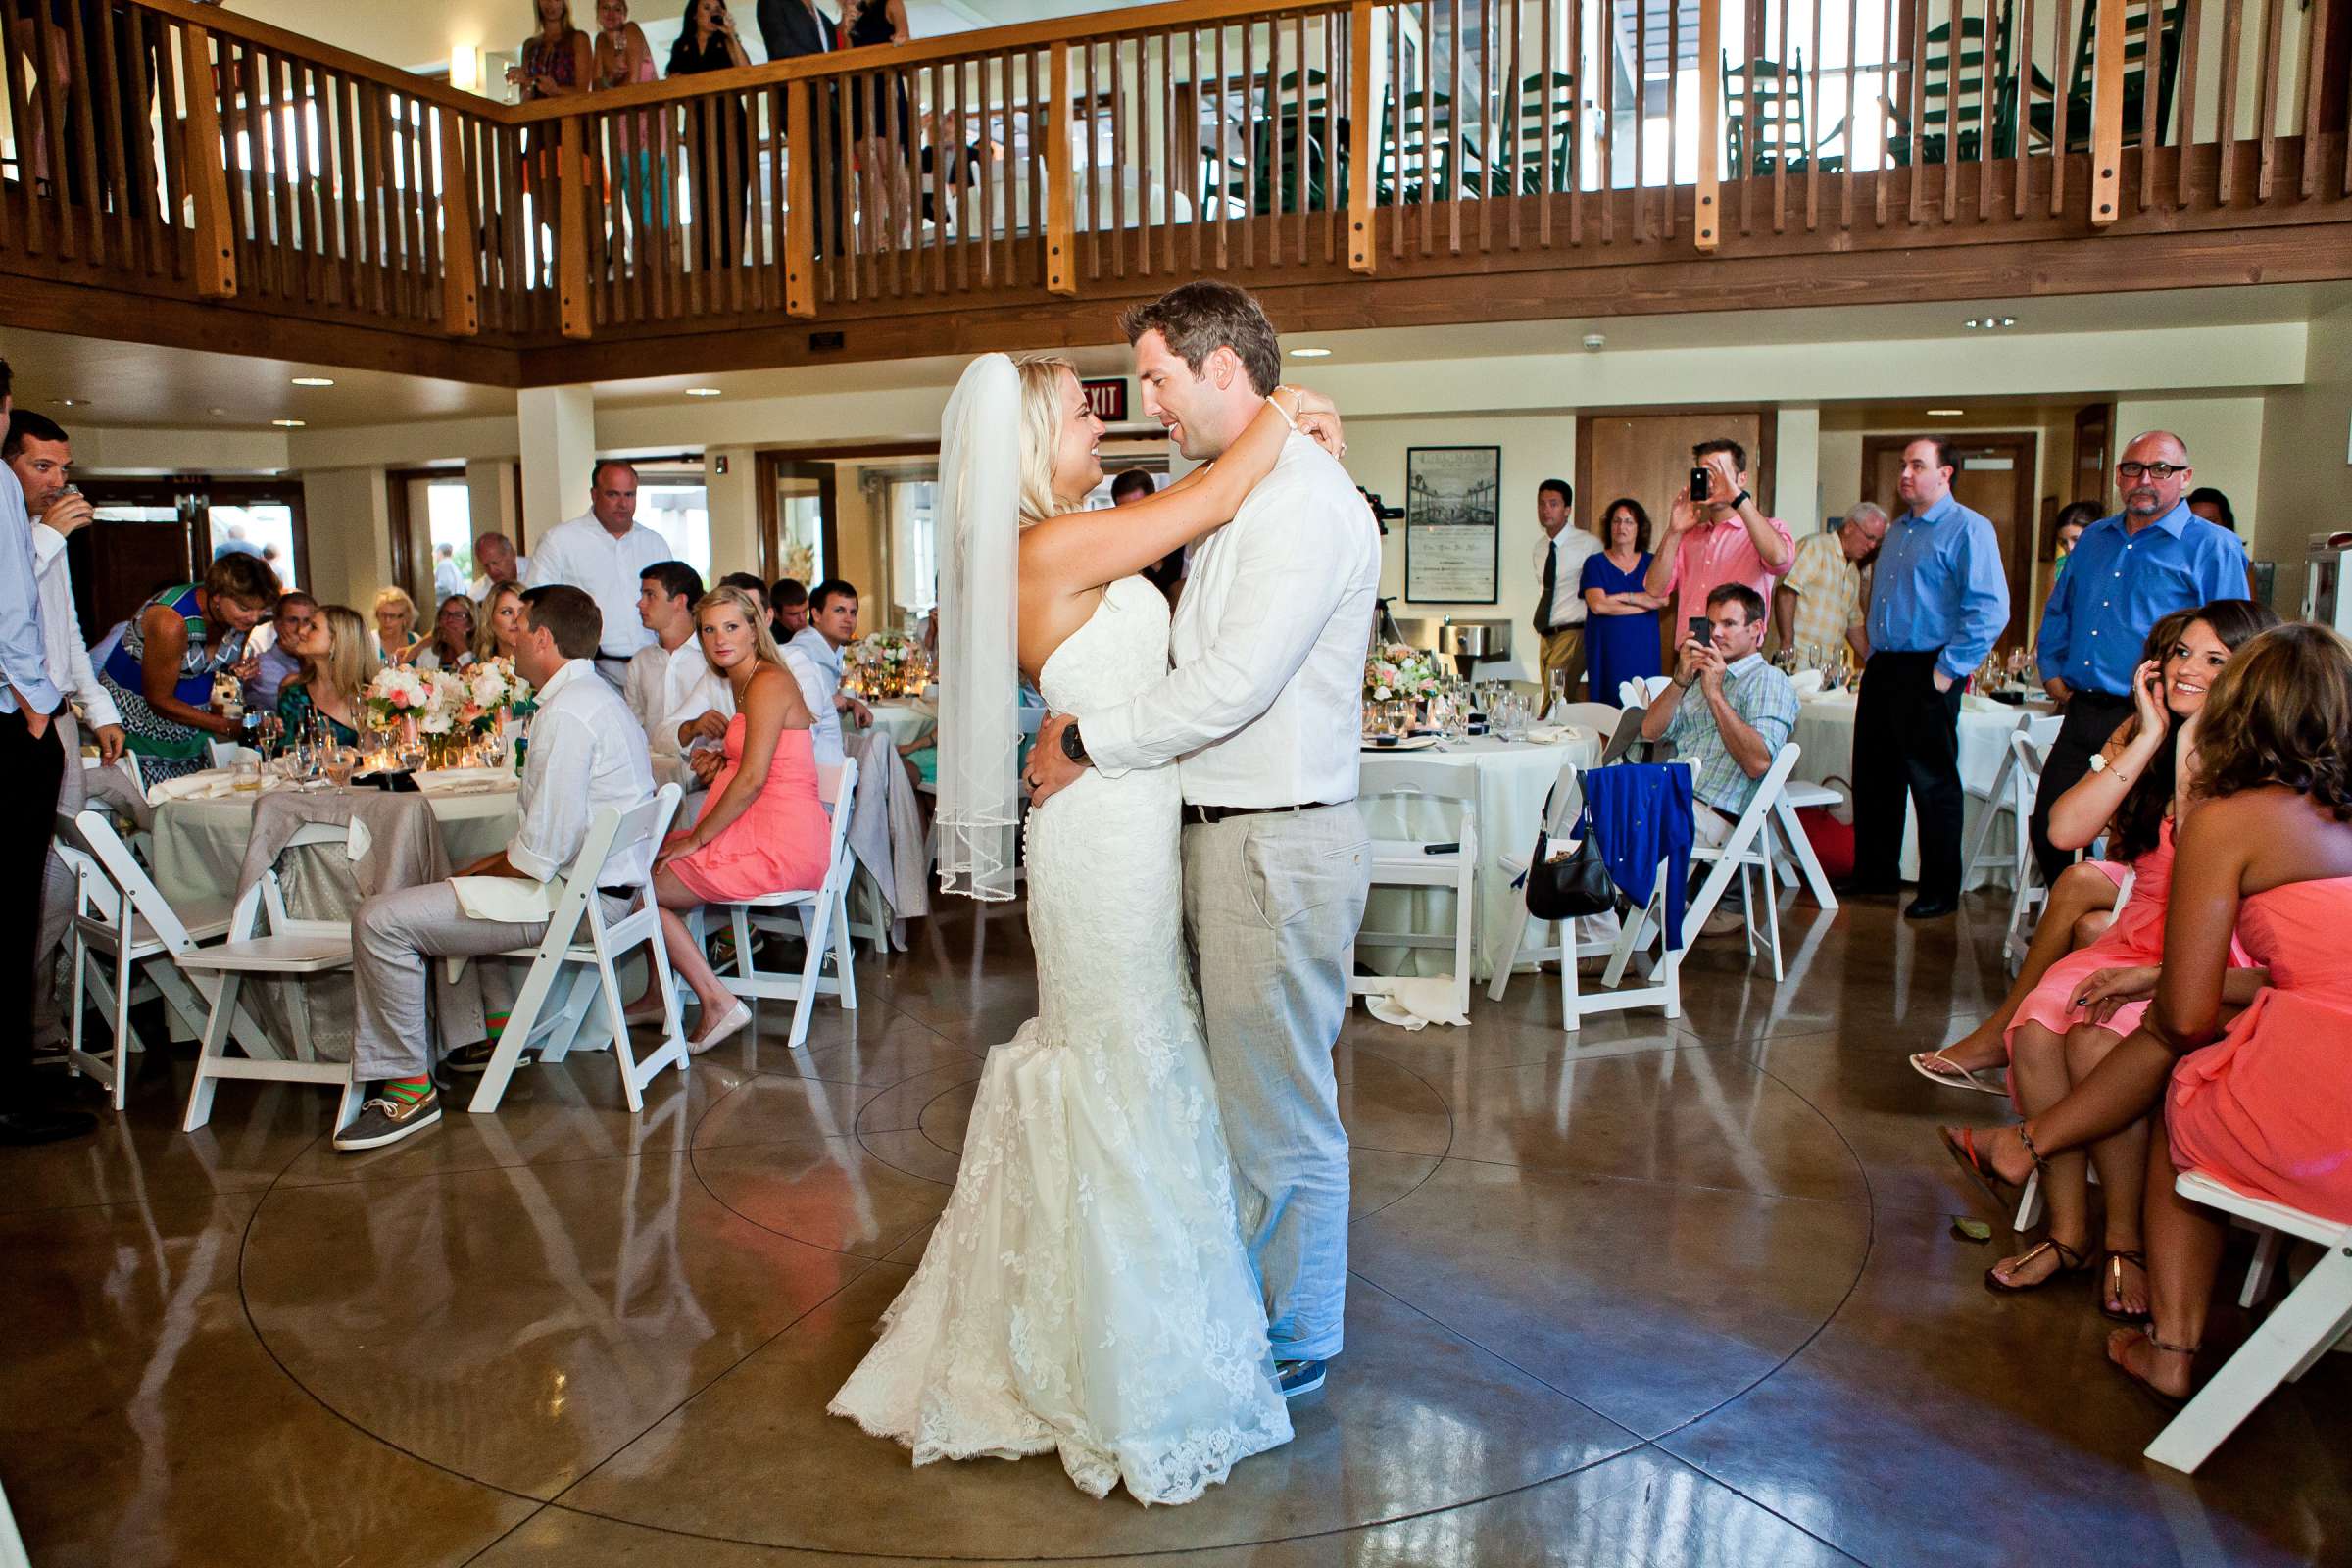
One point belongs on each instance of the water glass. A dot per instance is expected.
(341, 762)
(245, 775)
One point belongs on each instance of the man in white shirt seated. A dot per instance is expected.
(586, 753)
(670, 684)
(603, 551)
(832, 626)
(495, 554)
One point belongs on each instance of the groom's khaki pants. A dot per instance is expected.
(1272, 903)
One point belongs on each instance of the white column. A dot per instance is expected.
(490, 492)
(350, 534)
(734, 502)
(557, 425)
(1796, 468)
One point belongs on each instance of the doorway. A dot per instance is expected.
(798, 519)
(1993, 473)
(1647, 456)
(148, 534)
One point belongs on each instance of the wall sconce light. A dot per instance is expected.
(465, 68)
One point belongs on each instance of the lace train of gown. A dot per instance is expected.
(1086, 1290)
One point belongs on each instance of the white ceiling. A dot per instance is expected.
(131, 384)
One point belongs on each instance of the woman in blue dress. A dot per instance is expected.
(1621, 620)
(160, 673)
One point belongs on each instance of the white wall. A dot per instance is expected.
(2307, 458)
(343, 510)
(2224, 437)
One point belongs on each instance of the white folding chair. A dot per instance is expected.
(1750, 849)
(1430, 862)
(1664, 989)
(1803, 794)
(1566, 805)
(820, 914)
(2290, 1340)
(2027, 893)
(290, 949)
(123, 938)
(612, 836)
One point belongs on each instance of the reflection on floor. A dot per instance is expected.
(1677, 1293)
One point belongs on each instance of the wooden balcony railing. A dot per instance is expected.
(180, 151)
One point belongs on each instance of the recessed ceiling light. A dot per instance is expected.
(1989, 323)
(1945, 414)
(289, 424)
(314, 381)
(1310, 354)
(223, 412)
(702, 391)
(71, 403)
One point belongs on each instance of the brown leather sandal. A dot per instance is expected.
(2111, 1287)
(2070, 1261)
(1963, 1150)
(2167, 1402)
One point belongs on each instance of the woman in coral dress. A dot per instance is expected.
(2262, 1102)
(764, 827)
(2089, 999)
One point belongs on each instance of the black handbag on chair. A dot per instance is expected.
(1572, 885)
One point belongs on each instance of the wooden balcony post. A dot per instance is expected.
(572, 232)
(461, 301)
(800, 225)
(1061, 231)
(1363, 144)
(1708, 231)
(208, 168)
(2107, 115)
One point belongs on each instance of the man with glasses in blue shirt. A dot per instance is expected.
(1939, 600)
(2127, 572)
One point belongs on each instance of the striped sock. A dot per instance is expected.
(408, 1091)
(496, 1024)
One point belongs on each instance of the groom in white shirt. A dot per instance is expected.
(1263, 714)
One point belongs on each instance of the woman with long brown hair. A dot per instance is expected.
(2261, 1101)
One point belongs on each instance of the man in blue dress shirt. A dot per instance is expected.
(34, 765)
(2127, 572)
(1939, 601)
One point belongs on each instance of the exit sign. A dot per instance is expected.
(1107, 399)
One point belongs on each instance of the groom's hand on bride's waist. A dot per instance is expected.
(1051, 770)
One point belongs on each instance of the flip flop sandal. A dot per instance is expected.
(1940, 1069)
(2168, 1403)
(1963, 1150)
(2111, 1286)
(2070, 1261)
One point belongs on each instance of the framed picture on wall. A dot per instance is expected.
(1452, 524)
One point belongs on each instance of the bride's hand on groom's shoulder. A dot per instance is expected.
(1319, 418)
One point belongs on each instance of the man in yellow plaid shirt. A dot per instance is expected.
(1825, 596)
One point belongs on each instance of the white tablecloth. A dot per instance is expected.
(904, 718)
(1825, 732)
(200, 845)
(1513, 778)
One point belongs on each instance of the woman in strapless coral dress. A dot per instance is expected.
(764, 827)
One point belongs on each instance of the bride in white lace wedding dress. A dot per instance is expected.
(1086, 1290)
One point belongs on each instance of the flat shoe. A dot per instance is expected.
(2070, 1261)
(1953, 1076)
(2168, 1403)
(2111, 1285)
(1963, 1150)
(735, 1019)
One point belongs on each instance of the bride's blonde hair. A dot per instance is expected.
(1041, 433)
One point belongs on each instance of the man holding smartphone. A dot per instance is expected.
(1939, 600)
(1716, 533)
(1732, 729)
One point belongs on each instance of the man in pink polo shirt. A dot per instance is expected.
(1725, 538)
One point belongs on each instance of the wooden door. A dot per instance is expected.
(1647, 456)
(1994, 475)
(142, 539)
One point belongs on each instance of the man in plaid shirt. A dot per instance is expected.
(1734, 728)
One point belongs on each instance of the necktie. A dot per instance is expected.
(1551, 583)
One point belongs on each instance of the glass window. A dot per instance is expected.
(264, 528)
(913, 544)
(679, 513)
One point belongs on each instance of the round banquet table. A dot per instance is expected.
(1513, 777)
(904, 718)
(200, 843)
(1824, 733)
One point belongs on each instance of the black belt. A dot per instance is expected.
(1210, 816)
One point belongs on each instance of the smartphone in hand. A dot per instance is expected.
(1698, 484)
(1702, 631)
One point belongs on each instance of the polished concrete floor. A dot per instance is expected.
(1671, 1294)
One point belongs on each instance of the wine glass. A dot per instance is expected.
(340, 762)
(411, 756)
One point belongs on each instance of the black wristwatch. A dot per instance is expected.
(1743, 499)
(1073, 748)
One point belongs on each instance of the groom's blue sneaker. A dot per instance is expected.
(1299, 1376)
